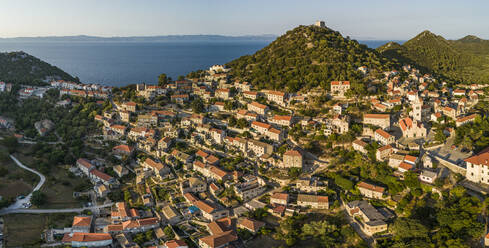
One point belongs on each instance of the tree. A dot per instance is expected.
(169, 232)
(163, 79)
(11, 143)
(38, 198)
(197, 105)
(294, 172)
(408, 228)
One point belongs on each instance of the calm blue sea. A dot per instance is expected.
(122, 63)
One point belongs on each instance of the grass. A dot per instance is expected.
(25, 229)
(265, 241)
(17, 181)
(59, 186)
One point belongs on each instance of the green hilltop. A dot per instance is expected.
(20, 67)
(463, 60)
(307, 57)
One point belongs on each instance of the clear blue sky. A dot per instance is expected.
(367, 19)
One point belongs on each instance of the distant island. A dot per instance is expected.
(160, 38)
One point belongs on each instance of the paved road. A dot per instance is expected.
(35, 142)
(51, 211)
(18, 203)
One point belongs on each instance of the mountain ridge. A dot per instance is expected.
(460, 60)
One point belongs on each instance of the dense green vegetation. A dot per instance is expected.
(72, 125)
(450, 222)
(316, 231)
(475, 135)
(463, 60)
(20, 67)
(306, 57)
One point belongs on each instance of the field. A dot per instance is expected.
(14, 181)
(59, 186)
(25, 229)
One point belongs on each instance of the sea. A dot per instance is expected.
(123, 63)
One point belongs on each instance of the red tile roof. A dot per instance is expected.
(219, 240)
(481, 158)
(280, 196)
(294, 153)
(383, 133)
(101, 175)
(86, 237)
(376, 116)
(261, 124)
(371, 187)
(82, 221)
(176, 243)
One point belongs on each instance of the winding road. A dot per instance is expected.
(27, 199)
(17, 207)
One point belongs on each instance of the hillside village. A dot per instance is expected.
(211, 161)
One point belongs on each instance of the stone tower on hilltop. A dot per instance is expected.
(320, 24)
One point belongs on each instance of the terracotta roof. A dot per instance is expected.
(406, 123)
(312, 198)
(220, 225)
(85, 163)
(147, 221)
(410, 158)
(151, 163)
(199, 164)
(114, 228)
(277, 93)
(282, 117)
(383, 133)
(130, 104)
(212, 159)
(371, 187)
(376, 116)
(360, 142)
(86, 237)
(120, 127)
(219, 240)
(386, 147)
(252, 225)
(466, 118)
(203, 206)
(82, 221)
(189, 197)
(202, 154)
(258, 105)
(175, 243)
(274, 130)
(250, 93)
(220, 173)
(406, 166)
(261, 124)
(481, 158)
(280, 196)
(101, 175)
(294, 153)
(124, 148)
(340, 82)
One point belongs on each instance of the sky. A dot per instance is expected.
(371, 19)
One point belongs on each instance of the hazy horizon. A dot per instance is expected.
(375, 20)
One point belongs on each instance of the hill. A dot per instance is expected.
(307, 57)
(463, 60)
(20, 67)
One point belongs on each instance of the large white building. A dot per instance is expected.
(478, 167)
